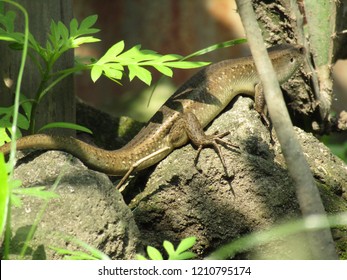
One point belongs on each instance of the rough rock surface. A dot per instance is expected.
(88, 208)
(180, 201)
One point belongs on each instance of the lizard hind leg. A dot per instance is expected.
(134, 167)
(197, 135)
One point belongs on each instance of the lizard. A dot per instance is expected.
(182, 117)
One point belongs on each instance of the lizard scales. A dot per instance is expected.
(204, 95)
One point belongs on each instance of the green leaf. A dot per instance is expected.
(23, 121)
(184, 256)
(49, 50)
(154, 254)
(135, 53)
(38, 192)
(15, 183)
(34, 44)
(140, 72)
(131, 52)
(141, 258)
(73, 27)
(113, 73)
(5, 126)
(8, 38)
(4, 137)
(186, 244)
(169, 247)
(96, 72)
(73, 255)
(9, 132)
(91, 254)
(4, 194)
(93, 251)
(65, 125)
(26, 104)
(88, 22)
(63, 31)
(112, 53)
(54, 36)
(170, 57)
(7, 20)
(136, 59)
(83, 40)
(186, 64)
(164, 70)
(15, 200)
(214, 47)
(6, 114)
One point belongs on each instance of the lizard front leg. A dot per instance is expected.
(259, 104)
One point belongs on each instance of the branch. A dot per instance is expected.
(321, 242)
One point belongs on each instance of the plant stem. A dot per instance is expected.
(321, 242)
(18, 85)
(7, 239)
(35, 103)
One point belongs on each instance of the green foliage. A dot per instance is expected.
(10, 188)
(38, 192)
(217, 46)
(6, 115)
(338, 149)
(181, 252)
(7, 32)
(65, 125)
(113, 62)
(62, 38)
(4, 194)
(90, 254)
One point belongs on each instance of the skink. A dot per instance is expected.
(192, 107)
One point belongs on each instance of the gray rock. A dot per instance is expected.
(180, 201)
(89, 208)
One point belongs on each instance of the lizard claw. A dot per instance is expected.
(214, 140)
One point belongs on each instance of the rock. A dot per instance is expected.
(89, 208)
(179, 201)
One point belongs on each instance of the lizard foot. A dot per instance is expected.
(214, 141)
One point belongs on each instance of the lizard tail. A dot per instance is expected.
(109, 162)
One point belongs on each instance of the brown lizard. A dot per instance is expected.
(191, 108)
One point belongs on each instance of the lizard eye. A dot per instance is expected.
(292, 60)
